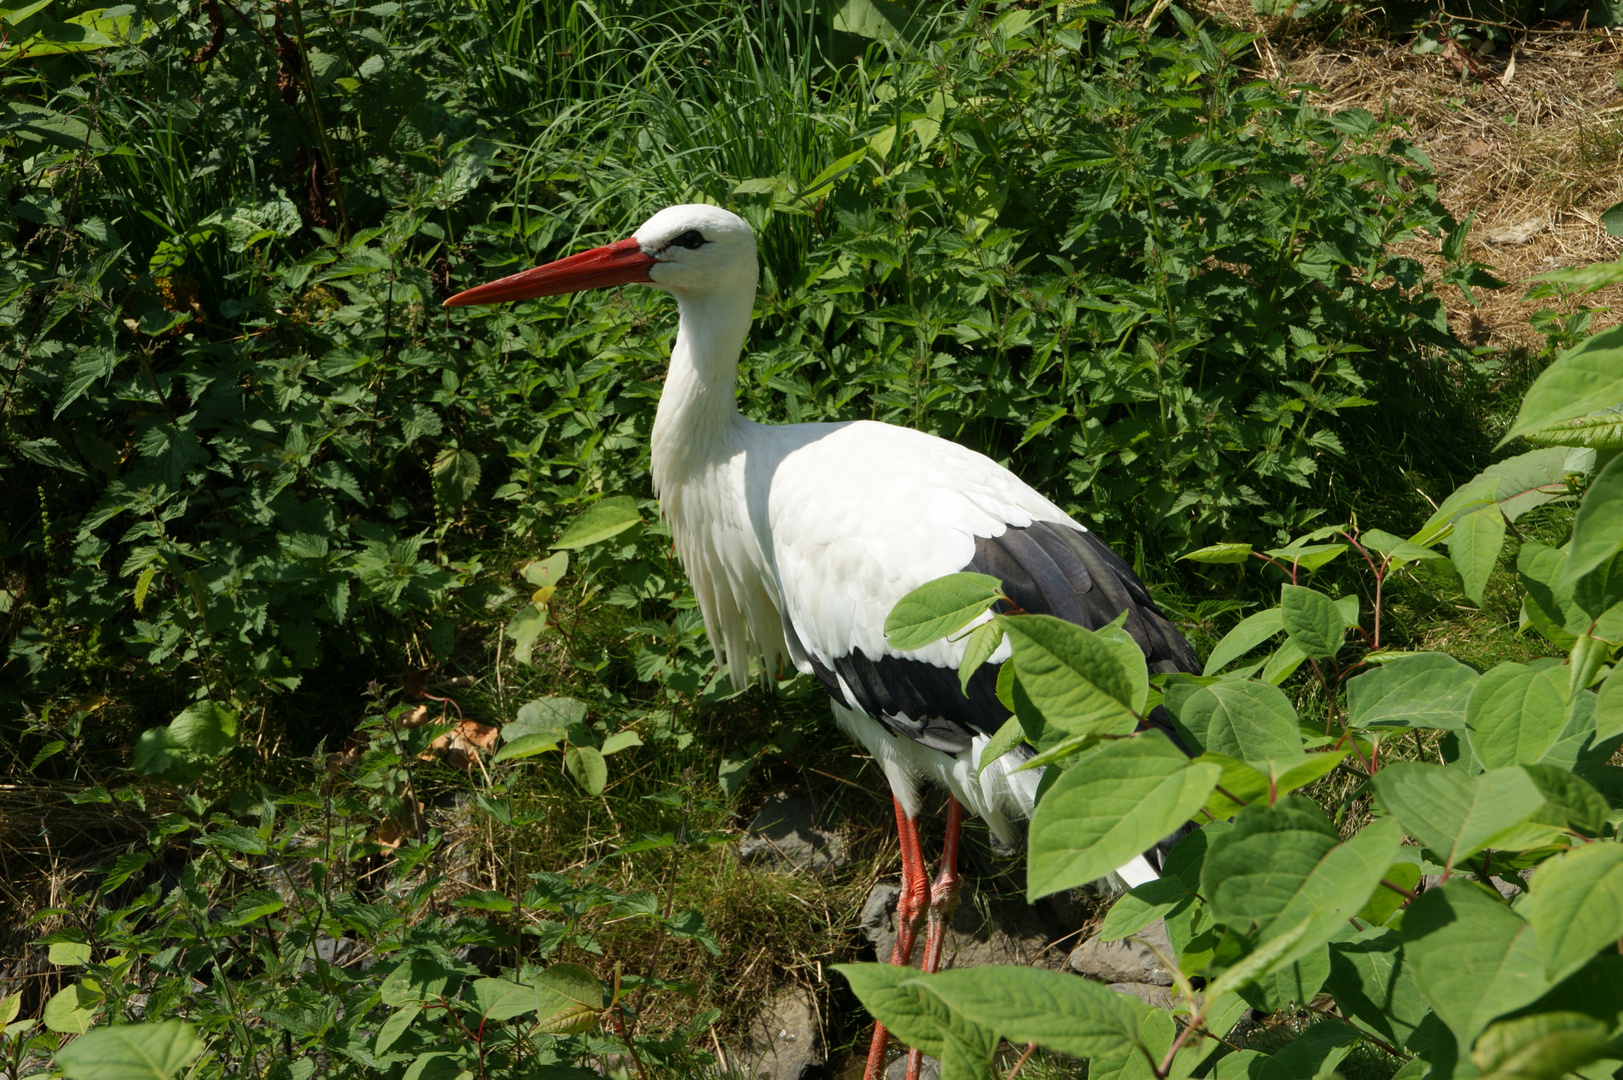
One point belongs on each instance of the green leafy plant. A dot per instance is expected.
(340, 922)
(254, 459)
(1504, 965)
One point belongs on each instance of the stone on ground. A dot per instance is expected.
(784, 835)
(784, 1042)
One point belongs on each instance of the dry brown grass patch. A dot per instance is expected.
(1534, 150)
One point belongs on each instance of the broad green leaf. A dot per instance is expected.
(1384, 902)
(620, 740)
(1243, 783)
(1070, 676)
(122, 869)
(586, 765)
(10, 1006)
(1473, 958)
(1143, 905)
(545, 715)
(1007, 737)
(568, 999)
(1399, 550)
(436, 1065)
(1311, 621)
(236, 838)
(1609, 707)
(1250, 633)
(1005, 685)
(1282, 664)
(1516, 713)
(601, 521)
(1515, 485)
(1587, 377)
(1220, 553)
(68, 953)
(1474, 546)
(544, 573)
(1576, 906)
(1068, 747)
(1288, 774)
(456, 477)
(983, 642)
(1130, 655)
(1239, 785)
(205, 728)
(524, 628)
(131, 1052)
(484, 900)
(939, 608)
(254, 904)
(1280, 867)
(1023, 1005)
(1373, 986)
(1315, 1053)
(417, 980)
(1424, 690)
(1590, 276)
(502, 999)
(1573, 797)
(394, 1027)
(1599, 430)
(1599, 594)
(529, 745)
(1546, 604)
(1307, 556)
(1250, 721)
(1544, 1046)
(1597, 532)
(1260, 962)
(894, 996)
(72, 1009)
(1453, 814)
(1289, 984)
(1110, 807)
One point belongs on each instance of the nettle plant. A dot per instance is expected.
(1462, 908)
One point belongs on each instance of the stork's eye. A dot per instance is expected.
(693, 239)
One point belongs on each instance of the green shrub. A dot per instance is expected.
(1275, 902)
(248, 456)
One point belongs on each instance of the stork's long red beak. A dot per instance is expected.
(620, 263)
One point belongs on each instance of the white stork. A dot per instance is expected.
(799, 539)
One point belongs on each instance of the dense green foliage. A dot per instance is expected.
(1506, 966)
(249, 457)
(261, 486)
(300, 924)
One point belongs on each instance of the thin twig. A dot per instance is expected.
(1028, 1051)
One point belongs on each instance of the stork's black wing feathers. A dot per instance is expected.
(1046, 569)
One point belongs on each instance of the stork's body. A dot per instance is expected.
(799, 539)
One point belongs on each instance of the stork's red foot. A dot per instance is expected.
(940, 899)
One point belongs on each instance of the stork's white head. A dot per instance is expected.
(691, 250)
(699, 249)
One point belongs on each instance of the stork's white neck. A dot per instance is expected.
(698, 411)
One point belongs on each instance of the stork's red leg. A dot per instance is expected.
(943, 902)
(910, 907)
(944, 893)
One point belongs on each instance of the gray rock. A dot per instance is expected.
(1008, 932)
(784, 1042)
(1160, 997)
(929, 1068)
(785, 835)
(1128, 961)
